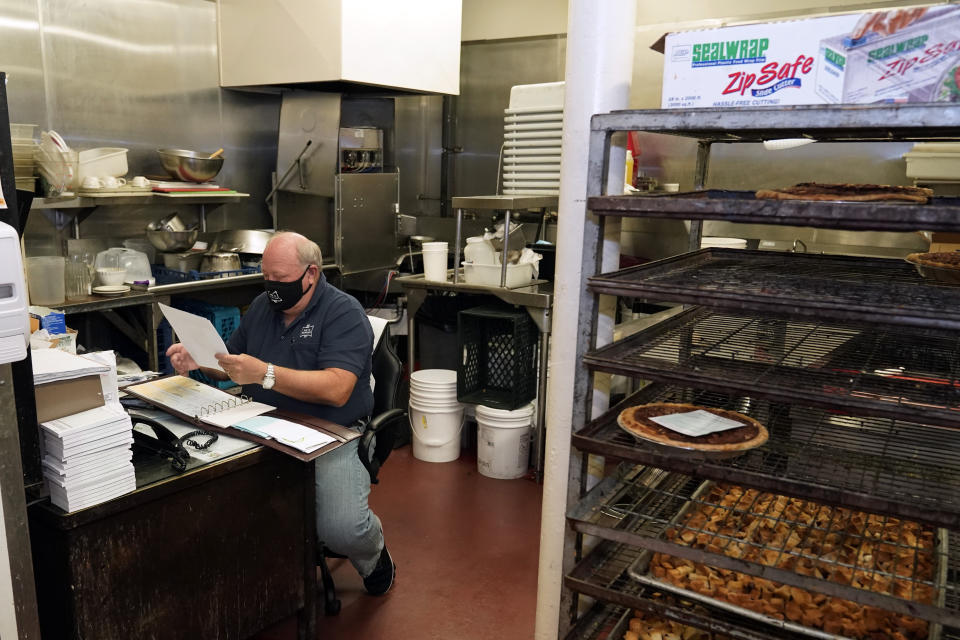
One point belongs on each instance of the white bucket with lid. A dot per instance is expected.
(436, 431)
(503, 441)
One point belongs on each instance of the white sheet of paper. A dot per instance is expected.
(289, 433)
(696, 423)
(197, 334)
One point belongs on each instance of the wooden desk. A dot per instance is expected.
(221, 551)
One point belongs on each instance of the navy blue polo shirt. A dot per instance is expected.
(332, 332)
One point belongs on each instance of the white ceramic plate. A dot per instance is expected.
(111, 289)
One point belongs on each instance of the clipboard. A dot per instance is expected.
(341, 435)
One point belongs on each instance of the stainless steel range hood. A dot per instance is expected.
(380, 46)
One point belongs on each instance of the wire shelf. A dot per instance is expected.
(876, 561)
(909, 373)
(880, 465)
(601, 622)
(603, 575)
(942, 214)
(871, 290)
(826, 123)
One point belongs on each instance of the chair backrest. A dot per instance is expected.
(386, 372)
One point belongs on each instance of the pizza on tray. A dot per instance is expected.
(848, 192)
(637, 421)
(940, 259)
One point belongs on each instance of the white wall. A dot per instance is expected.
(498, 19)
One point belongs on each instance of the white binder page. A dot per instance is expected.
(197, 334)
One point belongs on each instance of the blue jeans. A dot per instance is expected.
(345, 523)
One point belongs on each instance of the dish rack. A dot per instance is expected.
(853, 365)
(165, 275)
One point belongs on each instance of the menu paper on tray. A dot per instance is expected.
(696, 423)
(197, 334)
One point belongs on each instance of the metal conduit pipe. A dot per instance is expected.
(599, 66)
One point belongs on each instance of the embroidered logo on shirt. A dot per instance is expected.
(306, 331)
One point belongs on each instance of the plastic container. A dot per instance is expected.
(934, 161)
(136, 264)
(143, 246)
(45, 280)
(436, 432)
(103, 161)
(479, 250)
(723, 243)
(111, 276)
(435, 261)
(488, 275)
(23, 132)
(503, 441)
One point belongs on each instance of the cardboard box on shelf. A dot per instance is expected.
(51, 320)
(901, 55)
(66, 397)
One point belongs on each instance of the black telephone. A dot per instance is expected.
(165, 444)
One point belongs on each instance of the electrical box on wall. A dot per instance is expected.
(409, 46)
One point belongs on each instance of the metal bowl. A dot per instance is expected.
(172, 240)
(241, 241)
(220, 261)
(190, 166)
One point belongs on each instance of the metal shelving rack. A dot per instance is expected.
(852, 364)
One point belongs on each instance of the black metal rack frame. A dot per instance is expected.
(837, 287)
(906, 373)
(877, 464)
(741, 206)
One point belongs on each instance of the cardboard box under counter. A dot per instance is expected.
(66, 397)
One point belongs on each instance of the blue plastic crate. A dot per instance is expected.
(164, 275)
(164, 340)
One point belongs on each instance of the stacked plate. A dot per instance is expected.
(532, 137)
(24, 146)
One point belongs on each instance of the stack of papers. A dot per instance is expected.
(293, 435)
(87, 457)
(50, 365)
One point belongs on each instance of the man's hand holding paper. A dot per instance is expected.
(200, 342)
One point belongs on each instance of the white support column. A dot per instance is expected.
(600, 51)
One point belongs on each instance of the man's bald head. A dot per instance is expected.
(290, 243)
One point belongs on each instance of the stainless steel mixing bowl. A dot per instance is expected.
(190, 166)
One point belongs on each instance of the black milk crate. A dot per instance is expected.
(497, 366)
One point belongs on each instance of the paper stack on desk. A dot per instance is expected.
(87, 457)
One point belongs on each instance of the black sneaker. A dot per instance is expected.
(381, 578)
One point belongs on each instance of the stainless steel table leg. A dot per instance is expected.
(415, 298)
(456, 248)
(541, 427)
(506, 248)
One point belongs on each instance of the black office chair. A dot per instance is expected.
(376, 443)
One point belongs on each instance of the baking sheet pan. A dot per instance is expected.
(639, 571)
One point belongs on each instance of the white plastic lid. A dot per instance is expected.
(438, 376)
(522, 412)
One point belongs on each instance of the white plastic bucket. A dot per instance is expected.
(436, 432)
(503, 442)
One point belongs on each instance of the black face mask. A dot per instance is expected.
(284, 295)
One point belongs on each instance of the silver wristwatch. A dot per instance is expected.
(269, 379)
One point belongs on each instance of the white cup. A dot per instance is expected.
(139, 181)
(109, 182)
(92, 182)
(435, 261)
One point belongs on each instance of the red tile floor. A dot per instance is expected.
(466, 551)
